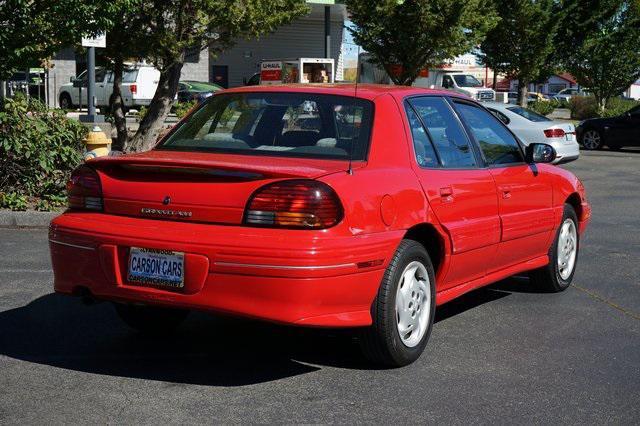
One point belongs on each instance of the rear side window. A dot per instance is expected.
(500, 116)
(528, 114)
(445, 132)
(282, 124)
(425, 154)
(497, 144)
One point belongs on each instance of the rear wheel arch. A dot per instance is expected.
(427, 235)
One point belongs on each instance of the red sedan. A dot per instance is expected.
(320, 206)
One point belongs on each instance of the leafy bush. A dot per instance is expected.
(38, 150)
(542, 107)
(182, 108)
(558, 103)
(13, 201)
(583, 107)
(618, 106)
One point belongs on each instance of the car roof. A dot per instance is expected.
(364, 91)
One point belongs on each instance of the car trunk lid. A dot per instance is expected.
(195, 186)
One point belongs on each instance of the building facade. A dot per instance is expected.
(318, 34)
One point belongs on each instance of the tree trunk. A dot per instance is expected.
(523, 91)
(159, 108)
(495, 81)
(116, 106)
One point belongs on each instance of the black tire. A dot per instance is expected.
(65, 101)
(592, 140)
(548, 278)
(381, 343)
(150, 319)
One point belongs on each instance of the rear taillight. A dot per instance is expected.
(133, 88)
(554, 133)
(294, 204)
(84, 191)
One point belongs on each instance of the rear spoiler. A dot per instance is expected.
(241, 167)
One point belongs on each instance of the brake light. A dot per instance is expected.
(84, 191)
(294, 204)
(133, 88)
(554, 133)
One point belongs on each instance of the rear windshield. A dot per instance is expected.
(282, 124)
(528, 114)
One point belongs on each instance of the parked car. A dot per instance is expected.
(254, 80)
(321, 207)
(512, 97)
(196, 90)
(531, 127)
(614, 132)
(566, 94)
(139, 84)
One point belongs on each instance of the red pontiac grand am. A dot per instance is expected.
(320, 206)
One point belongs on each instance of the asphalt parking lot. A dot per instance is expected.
(504, 354)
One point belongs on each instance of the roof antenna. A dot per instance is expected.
(353, 122)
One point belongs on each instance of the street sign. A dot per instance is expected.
(98, 41)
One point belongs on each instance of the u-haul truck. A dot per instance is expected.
(300, 70)
(449, 78)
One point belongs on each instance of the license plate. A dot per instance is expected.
(156, 267)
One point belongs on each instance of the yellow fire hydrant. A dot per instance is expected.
(97, 144)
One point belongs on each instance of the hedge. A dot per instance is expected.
(38, 150)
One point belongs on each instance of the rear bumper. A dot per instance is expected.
(285, 276)
(566, 151)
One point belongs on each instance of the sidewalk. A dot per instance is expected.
(26, 219)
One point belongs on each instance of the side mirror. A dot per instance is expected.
(76, 82)
(71, 79)
(540, 153)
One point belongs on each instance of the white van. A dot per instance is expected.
(139, 84)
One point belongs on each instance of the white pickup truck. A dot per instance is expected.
(139, 84)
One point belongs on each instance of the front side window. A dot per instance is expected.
(466, 80)
(497, 144)
(281, 124)
(446, 133)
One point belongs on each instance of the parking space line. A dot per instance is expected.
(607, 302)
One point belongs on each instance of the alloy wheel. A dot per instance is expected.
(592, 140)
(567, 248)
(413, 304)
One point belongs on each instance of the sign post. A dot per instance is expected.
(91, 43)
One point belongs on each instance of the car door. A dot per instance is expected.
(461, 194)
(104, 87)
(524, 190)
(625, 129)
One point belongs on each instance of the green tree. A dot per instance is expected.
(32, 31)
(600, 42)
(522, 44)
(176, 27)
(418, 33)
(126, 41)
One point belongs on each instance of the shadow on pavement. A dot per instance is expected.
(62, 332)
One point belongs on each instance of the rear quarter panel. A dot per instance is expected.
(385, 194)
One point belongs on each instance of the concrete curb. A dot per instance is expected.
(26, 219)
